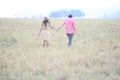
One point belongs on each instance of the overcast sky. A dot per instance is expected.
(11, 8)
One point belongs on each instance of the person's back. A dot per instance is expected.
(44, 31)
(69, 23)
(45, 24)
(70, 28)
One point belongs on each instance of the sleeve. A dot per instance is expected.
(73, 23)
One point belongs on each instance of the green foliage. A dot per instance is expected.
(64, 13)
(7, 41)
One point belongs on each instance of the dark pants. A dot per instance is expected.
(70, 36)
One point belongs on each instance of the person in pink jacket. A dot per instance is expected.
(69, 24)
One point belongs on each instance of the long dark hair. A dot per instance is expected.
(45, 21)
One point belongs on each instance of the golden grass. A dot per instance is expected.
(94, 55)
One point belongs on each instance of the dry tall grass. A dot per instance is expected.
(94, 55)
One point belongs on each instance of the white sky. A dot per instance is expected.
(10, 8)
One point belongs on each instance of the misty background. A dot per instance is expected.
(60, 8)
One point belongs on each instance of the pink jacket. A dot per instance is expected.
(70, 25)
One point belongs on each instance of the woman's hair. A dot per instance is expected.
(45, 21)
(70, 15)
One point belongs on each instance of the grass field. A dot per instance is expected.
(94, 55)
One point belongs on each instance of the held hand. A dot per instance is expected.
(58, 28)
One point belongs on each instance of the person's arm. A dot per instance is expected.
(61, 26)
(51, 26)
(41, 29)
